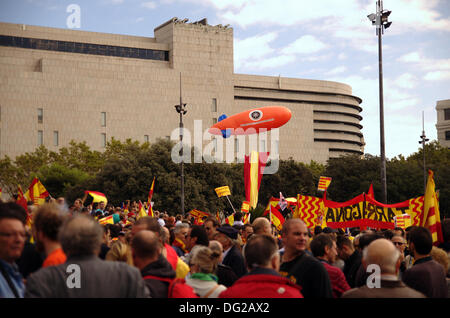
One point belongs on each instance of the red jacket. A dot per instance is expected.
(262, 283)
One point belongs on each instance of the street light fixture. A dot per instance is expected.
(181, 109)
(423, 141)
(380, 20)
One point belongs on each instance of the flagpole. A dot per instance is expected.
(230, 204)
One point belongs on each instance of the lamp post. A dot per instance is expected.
(181, 109)
(423, 141)
(380, 20)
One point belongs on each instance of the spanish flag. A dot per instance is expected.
(431, 218)
(324, 183)
(97, 196)
(245, 206)
(36, 192)
(276, 218)
(149, 199)
(253, 171)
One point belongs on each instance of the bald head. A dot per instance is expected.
(261, 226)
(383, 253)
(145, 245)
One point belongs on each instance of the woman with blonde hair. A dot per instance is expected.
(202, 279)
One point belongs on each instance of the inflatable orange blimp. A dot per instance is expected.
(251, 121)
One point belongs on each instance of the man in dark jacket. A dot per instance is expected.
(386, 257)
(426, 275)
(84, 274)
(146, 250)
(263, 279)
(300, 267)
(351, 257)
(232, 255)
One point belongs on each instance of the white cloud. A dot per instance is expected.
(149, 5)
(253, 49)
(436, 69)
(437, 76)
(406, 80)
(306, 44)
(271, 62)
(337, 70)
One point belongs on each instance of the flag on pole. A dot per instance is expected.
(253, 171)
(36, 192)
(230, 220)
(149, 199)
(275, 216)
(97, 196)
(222, 191)
(245, 208)
(431, 218)
(324, 183)
(370, 193)
(246, 218)
(283, 203)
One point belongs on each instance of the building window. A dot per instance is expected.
(447, 135)
(146, 138)
(56, 138)
(40, 137)
(447, 114)
(103, 119)
(40, 114)
(103, 140)
(214, 105)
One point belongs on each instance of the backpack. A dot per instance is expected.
(177, 287)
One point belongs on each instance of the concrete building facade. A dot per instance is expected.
(58, 85)
(443, 122)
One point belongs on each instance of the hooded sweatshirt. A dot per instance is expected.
(160, 268)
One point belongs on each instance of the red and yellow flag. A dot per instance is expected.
(431, 218)
(253, 171)
(149, 199)
(310, 210)
(245, 207)
(324, 183)
(36, 192)
(199, 215)
(222, 191)
(276, 218)
(230, 220)
(97, 196)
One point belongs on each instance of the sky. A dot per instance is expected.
(321, 39)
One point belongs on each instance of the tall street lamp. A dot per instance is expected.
(380, 20)
(423, 141)
(181, 109)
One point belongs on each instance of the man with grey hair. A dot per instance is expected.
(84, 274)
(180, 231)
(383, 256)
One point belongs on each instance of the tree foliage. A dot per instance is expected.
(125, 171)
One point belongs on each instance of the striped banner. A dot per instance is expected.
(310, 210)
(324, 183)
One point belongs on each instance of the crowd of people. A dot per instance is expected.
(67, 252)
